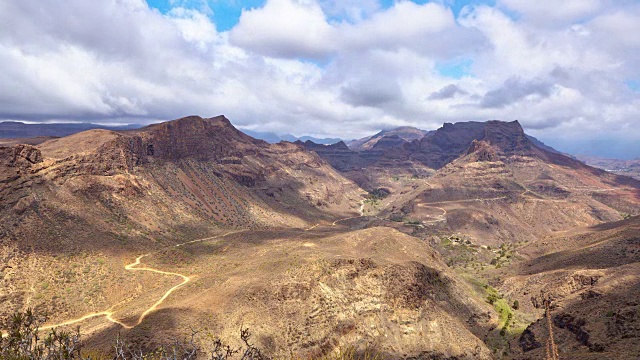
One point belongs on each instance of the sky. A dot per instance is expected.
(568, 70)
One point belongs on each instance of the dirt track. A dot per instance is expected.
(108, 314)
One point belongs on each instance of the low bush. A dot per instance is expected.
(23, 341)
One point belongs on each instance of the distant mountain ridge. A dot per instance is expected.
(37, 133)
(273, 138)
(17, 129)
(406, 133)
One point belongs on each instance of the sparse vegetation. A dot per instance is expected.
(24, 341)
(372, 199)
(504, 254)
(492, 298)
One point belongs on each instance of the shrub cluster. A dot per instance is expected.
(23, 341)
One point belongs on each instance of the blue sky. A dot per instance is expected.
(226, 13)
(567, 70)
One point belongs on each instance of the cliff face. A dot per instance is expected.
(194, 137)
(16, 163)
(433, 149)
(453, 140)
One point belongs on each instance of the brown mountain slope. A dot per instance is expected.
(100, 195)
(591, 277)
(79, 209)
(501, 188)
(182, 171)
(306, 293)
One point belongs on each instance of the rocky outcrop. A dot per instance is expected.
(16, 163)
(194, 137)
(20, 155)
(577, 327)
(528, 340)
(481, 151)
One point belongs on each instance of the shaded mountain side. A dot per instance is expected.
(188, 173)
(389, 142)
(591, 278)
(437, 148)
(452, 140)
(366, 168)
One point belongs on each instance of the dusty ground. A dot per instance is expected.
(308, 292)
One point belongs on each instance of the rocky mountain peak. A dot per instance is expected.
(193, 136)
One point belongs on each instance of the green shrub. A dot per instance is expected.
(492, 298)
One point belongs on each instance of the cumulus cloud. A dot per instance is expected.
(285, 28)
(551, 12)
(447, 92)
(326, 67)
(370, 92)
(515, 89)
(351, 10)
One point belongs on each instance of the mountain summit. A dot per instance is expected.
(406, 133)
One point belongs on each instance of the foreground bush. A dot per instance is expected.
(22, 341)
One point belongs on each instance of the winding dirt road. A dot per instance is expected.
(108, 314)
(441, 217)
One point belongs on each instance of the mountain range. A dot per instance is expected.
(464, 242)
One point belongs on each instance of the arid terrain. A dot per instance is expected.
(449, 244)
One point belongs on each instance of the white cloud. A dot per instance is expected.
(553, 12)
(404, 23)
(195, 27)
(560, 70)
(350, 10)
(285, 28)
